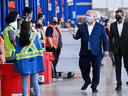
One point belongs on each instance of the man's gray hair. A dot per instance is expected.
(92, 12)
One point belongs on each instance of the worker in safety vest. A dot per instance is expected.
(27, 15)
(61, 22)
(41, 18)
(29, 58)
(8, 35)
(41, 33)
(2, 51)
(54, 42)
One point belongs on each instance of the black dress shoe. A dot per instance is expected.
(102, 64)
(119, 87)
(84, 86)
(127, 82)
(94, 90)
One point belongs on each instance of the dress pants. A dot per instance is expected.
(84, 64)
(56, 53)
(118, 65)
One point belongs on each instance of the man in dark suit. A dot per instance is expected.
(118, 44)
(91, 34)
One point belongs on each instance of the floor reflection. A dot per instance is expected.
(72, 86)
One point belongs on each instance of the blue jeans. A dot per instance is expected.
(34, 78)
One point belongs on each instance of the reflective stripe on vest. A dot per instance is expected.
(54, 38)
(24, 52)
(21, 21)
(7, 44)
(42, 41)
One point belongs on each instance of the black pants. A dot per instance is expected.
(85, 66)
(11, 61)
(56, 53)
(118, 64)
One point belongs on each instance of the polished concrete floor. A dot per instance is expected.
(72, 86)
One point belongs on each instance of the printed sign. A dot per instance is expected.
(74, 14)
(57, 9)
(41, 78)
(70, 2)
(49, 6)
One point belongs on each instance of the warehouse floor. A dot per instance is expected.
(72, 86)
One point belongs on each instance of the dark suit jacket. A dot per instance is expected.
(98, 32)
(119, 42)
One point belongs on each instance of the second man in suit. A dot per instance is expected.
(118, 45)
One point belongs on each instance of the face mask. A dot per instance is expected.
(54, 22)
(72, 25)
(14, 24)
(62, 23)
(39, 26)
(118, 18)
(108, 24)
(88, 19)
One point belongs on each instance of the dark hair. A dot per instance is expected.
(59, 19)
(106, 22)
(27, 10)
(120, 12)
(40, 15)
(24, 33)
(52, 18)
(16, 12)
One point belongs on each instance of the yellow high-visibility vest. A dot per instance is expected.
(25, 53)
(8, 46)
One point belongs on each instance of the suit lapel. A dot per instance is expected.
(122, 30)
(86, 28)
(116, 29)
(94, 28)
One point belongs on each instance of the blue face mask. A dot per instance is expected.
(88, 19)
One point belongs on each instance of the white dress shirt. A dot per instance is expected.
(120, 27)
(90, 28)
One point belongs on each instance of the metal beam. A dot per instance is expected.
(65, 11)
(45, 11)
(16, 5)
(74, 13)
(60, 6)
(3, 14)
(42, 6)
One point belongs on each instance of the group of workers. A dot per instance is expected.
(23, 43)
